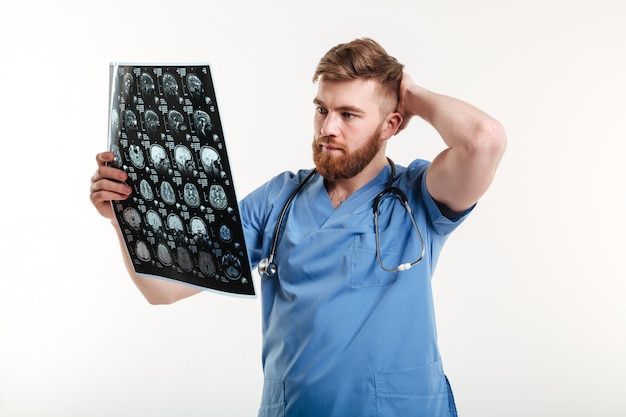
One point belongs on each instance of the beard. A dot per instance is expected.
(348, 165)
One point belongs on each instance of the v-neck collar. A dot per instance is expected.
(360, 200)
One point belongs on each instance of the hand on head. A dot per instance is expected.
(406, 84)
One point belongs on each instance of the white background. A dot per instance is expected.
(529, 291)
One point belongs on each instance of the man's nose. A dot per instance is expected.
(330, 127)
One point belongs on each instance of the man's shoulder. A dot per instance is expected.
(287, 179)
(415, 169)
(275, 187)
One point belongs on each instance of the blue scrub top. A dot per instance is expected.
(341, 336)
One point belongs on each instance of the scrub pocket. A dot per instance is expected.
(272, 399)
(365, 270)
(422, 392)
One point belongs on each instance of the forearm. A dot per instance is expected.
(460, 125)
(156, 291)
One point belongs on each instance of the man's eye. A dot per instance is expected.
(348, 115)
(321, 110)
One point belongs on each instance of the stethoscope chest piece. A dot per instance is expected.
(267, 268)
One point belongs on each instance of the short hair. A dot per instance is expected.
(362, 58)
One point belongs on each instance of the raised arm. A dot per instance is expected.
(107, 184)
(460, 174)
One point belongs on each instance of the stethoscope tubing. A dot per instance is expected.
(267, 268)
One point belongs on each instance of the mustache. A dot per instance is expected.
(325, 140)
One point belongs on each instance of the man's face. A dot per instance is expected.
(348, 127)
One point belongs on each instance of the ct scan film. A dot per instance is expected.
(182, 220)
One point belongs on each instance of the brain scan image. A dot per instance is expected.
(153, 124)
(154, 220)
(167, 193)
(195, 88)
(142, 250)
(211, 162)
(206, 264)
(132, 217)
(117, 160)
(176, 123)
(184, 259)
(148, 89)
(136, 156)
(177, 229)
(174, 223)
(171, 89)
(191, 195)
(159, 159)
(175, 119)
(202, 123)
(231, 266)
(217, 197)
(146, 190)
(128, 87)
(131, 125)
(184, 160)
(164, 254)
(130, 120)
(198, 228)
(115, 125)
(225, 233)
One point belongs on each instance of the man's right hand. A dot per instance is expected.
(108, 184)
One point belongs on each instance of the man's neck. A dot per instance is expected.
(340, 190)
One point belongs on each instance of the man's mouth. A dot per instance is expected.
(328, 146)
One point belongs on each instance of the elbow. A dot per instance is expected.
(158, 301)
(489, 138)
(168, 294)
(156, 298)
(497, 137)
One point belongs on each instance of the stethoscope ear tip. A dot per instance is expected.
(404, 267)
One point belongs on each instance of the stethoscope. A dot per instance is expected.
(267, 268)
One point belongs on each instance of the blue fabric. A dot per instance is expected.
(340, 335)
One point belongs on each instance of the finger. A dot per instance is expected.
(105, 197)
(103, 158)
(110, 173)
(106, 189)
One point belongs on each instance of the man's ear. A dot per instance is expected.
(391, 124)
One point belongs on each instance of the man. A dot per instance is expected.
(348, 320)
